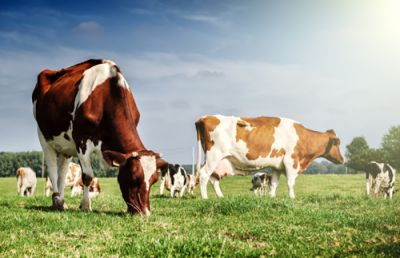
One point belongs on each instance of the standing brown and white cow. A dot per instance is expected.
(74, 173)
(89, 108)
(94, 187)
(26, 181)
(254, 143)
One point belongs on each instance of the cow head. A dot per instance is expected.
(138, 171)
(332, 149)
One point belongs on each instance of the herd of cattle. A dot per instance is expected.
(89, 108)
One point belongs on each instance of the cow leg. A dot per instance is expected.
(62, 166)
(23, 189)
(212, 160)
(390, 191)
(217, 189)
(87, 176)
(172, 191)
(377, 186)
(367, 185)
(48, 187)
(50, 157)
(274, 182)
(204, 177)
(291, 178)
(182, 191)
(162, 185)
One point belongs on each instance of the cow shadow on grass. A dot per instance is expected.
(49, 209)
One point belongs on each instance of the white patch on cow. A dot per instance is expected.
(285, 137)
(92, 78)
(148, 164)
(147, 212)
(61, 145)
(122, 82)
(107, 61)
(179, 179)
(90, 148)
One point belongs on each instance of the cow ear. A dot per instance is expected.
(114, 158)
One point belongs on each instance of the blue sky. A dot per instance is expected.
(327, 64)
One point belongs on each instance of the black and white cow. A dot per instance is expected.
(380, 177)
(260, 181)
(174, 178)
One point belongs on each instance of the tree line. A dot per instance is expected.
(358, 154)
(11, 161)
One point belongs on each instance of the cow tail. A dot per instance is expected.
(199, 149)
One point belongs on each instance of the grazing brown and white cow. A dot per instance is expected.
(94, 187)
(380, 177)
(89, 108)
(71, 177)
(26, 181)
(260, 182)
(254, 143)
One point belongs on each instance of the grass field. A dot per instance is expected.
(329, 217)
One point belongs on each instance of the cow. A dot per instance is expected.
(174, 178)
(71, 177)
(191, 183)
(89, 108)
(260, 181)
(249, 144)
(94, 188)
(380, 177)
(26, 181)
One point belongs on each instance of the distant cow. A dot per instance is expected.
(73, 174)
(26, 181)
(173, 177)
(94, 187)
(260, 182)
(89, 108)
(380, 177)
(191, 183)
(254, 143)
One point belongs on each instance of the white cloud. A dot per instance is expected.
(89, 28)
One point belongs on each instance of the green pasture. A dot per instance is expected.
(329, 217)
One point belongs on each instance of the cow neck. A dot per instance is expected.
(311, 145)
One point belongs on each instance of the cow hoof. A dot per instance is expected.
(58, 205)
(58, 202)
(85, 206)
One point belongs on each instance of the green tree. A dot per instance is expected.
(391, 147)
(358, 154)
